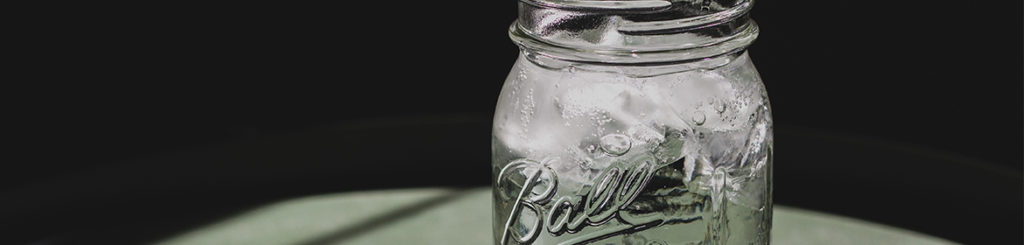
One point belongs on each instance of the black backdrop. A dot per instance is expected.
(103, 86)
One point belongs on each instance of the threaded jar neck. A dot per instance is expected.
(633, 31)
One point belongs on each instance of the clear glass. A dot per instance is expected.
(605, 134)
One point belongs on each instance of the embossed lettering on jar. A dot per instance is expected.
(632, 122)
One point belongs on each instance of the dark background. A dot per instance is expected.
(125, 115)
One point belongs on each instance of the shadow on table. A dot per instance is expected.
(383, 219)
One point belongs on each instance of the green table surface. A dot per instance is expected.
(451, 216)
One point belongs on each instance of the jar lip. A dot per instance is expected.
(606, 6)
(690, 23)
(731, 44)
(632, 32)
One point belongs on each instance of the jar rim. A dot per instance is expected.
(583, 32)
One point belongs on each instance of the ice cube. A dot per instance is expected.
(710, 100)
(603, 105)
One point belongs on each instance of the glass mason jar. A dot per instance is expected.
(632, 122)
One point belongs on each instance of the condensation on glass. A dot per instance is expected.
(632, 122)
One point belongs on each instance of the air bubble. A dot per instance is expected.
(699, 118)
(615, 144)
